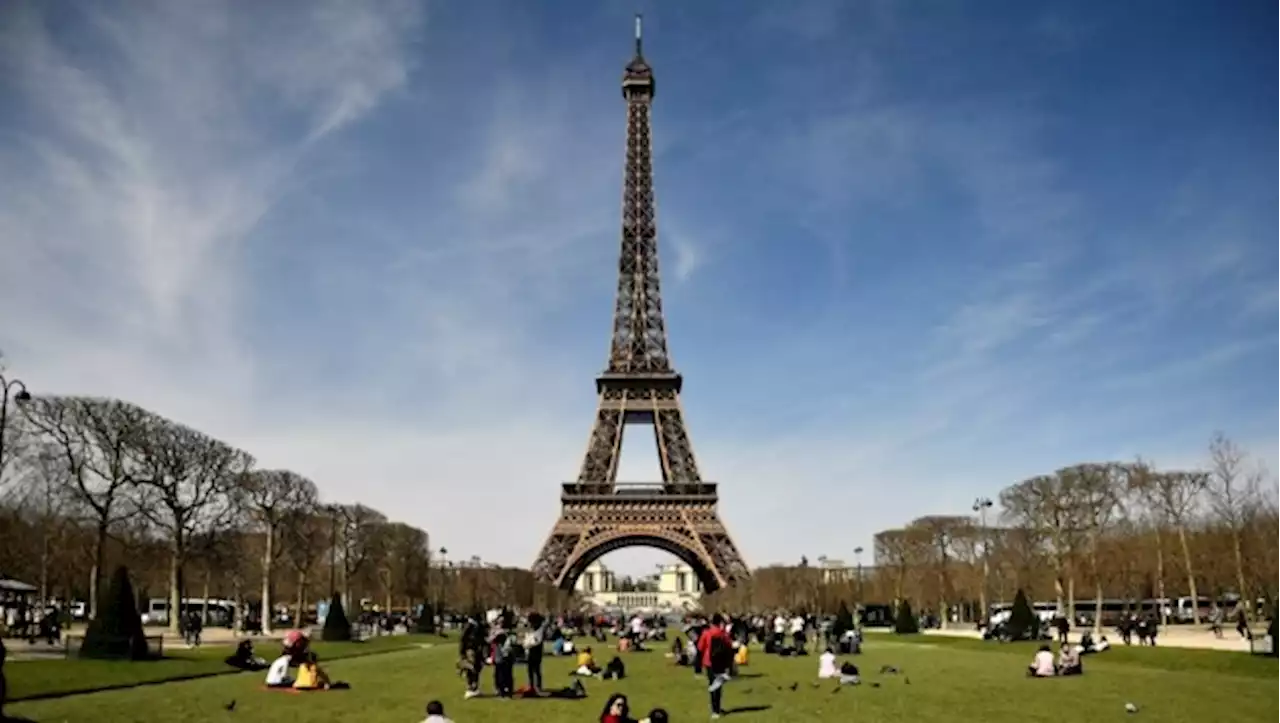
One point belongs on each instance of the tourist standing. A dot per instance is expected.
(533, 650)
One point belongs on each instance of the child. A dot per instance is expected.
(435, 713)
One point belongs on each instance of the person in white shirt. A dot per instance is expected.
(797, 633)
(278, 673)
(435, 713)
(827, 665)
(1042, 666)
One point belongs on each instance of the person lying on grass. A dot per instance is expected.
(312, 677)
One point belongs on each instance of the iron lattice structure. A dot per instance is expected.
(639, 386)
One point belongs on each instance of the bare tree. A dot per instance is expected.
(1041, 503)
(1233, 491)
(97, 440)
(1093, 491)
(306, 531)
(1173, 499)
(405, 553)
(189, 491)
(359, 530)
(940, 532)
(271, 496)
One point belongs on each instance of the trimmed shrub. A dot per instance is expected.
(116, 631)
(426, 622)
(336, 626)
(1274, 630)
(1023, 623)
(905, 622)
(843, 622)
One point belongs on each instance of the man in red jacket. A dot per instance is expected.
(716, 650)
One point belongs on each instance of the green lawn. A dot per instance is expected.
(41, 678)
(948, 681)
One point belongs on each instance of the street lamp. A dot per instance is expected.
(857, 559)
(20, 396)
(980, 506)
(444, 556)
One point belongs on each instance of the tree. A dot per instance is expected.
(1042, 504)
(1173, 497)
(1092, 490)
(336, 626)
(97, 440)
(939, 533)
(117, 630)
(358, 540)
(271, 496)
(905, 622)
(1023, 623)
(307, 534)
(189, 491)
(1232, 494)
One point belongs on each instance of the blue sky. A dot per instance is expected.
(910, 256)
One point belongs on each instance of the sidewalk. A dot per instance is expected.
(1170, 636)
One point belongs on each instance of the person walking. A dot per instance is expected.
(715, 649)
(533, 650)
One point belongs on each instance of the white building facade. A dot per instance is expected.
(673, 588)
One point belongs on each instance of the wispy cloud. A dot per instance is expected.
(309, 229)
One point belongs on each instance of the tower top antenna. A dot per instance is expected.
(639, 32)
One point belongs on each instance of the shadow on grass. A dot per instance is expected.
(747, 709)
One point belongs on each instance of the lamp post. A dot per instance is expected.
(444, 557)
(332, 511)
(20, 396)
(980, 506)
(857, 559)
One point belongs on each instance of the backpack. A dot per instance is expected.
(721, 652)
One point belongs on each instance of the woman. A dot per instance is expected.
(616, 710)
(310, 675)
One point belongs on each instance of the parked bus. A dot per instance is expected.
(221, 613)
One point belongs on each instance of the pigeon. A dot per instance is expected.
(794, 686)
(1130, 708)
(816, 684)
(875, 684)
(906, 680)
(231, 705)
(889, 669)
(837, 690)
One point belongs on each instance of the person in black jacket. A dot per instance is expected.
(533, 650)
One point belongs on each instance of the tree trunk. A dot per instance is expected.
(1071, 595)
(1164, 614)
(204, 607)
(1238, 549)
(95, 571)
(298, 619)
(267, 555)
(175, 585)
(1191, 575)
(44, 565)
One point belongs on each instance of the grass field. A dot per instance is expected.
(944, 680)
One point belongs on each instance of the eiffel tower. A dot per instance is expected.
(639, 386)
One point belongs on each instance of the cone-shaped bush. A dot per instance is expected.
(1023, 624)
(1274, 630)
(905, 623)
(426, 623)
(116, 630)
(336, 626)
(844, 620)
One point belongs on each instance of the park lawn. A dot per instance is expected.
(44, 678)
(1157, 658)
(942, 683)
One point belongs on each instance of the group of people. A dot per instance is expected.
(295, 652)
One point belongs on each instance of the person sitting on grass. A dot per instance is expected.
(849, 674)
(244, 659)
(616, 710)
(1042, 665)
(615, 670)
(435, 713)
(1069, 662)
(678, 654)
(312, 677)
(657, 715)
(278, 673)
(827, 664)
(587, 664)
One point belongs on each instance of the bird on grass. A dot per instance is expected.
(230, 706)
(794, 686)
